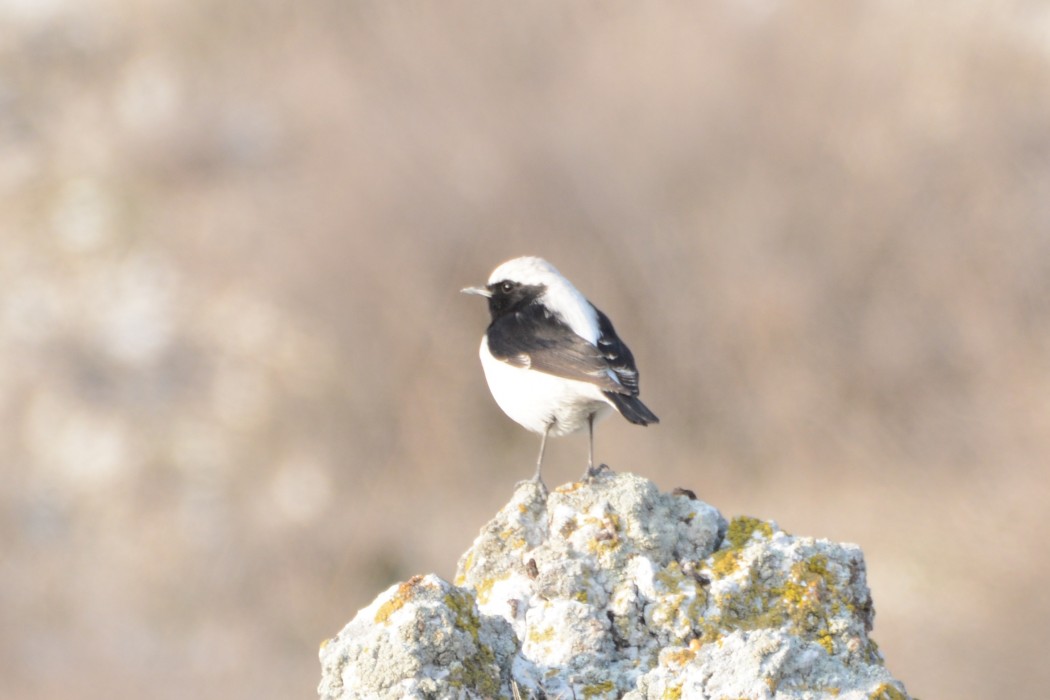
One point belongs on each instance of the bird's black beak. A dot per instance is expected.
(479, 291)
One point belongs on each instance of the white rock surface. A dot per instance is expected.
(611, 589)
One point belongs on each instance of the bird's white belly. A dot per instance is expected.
(535, 399)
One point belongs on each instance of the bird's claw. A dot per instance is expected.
(594, 472)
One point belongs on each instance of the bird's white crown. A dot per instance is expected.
(527, 270)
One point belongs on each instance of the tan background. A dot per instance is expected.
(240, 393)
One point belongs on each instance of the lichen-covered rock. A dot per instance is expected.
(610, 589)
(420, 639)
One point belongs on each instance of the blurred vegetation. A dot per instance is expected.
(241, 393)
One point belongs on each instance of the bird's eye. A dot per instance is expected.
(507, 287)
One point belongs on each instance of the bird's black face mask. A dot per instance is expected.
(508, 296)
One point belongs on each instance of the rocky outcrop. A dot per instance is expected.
(611, 589)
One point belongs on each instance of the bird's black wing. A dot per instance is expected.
(620, 361)
(535, 338)
(617, 355)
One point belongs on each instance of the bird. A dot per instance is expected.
(552, 360)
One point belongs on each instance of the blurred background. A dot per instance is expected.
(239, 389)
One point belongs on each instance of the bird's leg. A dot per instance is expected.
(590, 449)
(592, 471)
(590, 445)
(539, 460)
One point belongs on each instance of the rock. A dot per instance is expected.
(421, 638)
(611, 589)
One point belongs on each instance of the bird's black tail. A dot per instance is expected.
(632, 408)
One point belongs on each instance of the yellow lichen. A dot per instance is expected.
(888, 692)
(680, 606)
(727, 560)
(484, 587)
(468, 564)
(804, 599)
(826, 640)
(724, 562)
(512, 536)
(673, 693)
(677, 657)
(670, 576)
(539, 636)
(742, 527)
(396, 601)
(608, 537)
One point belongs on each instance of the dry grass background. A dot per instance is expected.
(239, 389)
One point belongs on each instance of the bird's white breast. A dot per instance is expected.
(533, 399)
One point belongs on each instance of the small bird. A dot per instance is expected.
(552, 360)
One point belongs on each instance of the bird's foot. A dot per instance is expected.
(536, 481)
(594, 472)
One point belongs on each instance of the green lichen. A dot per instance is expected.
(478, 672)
(597, 689)
(462, 604)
